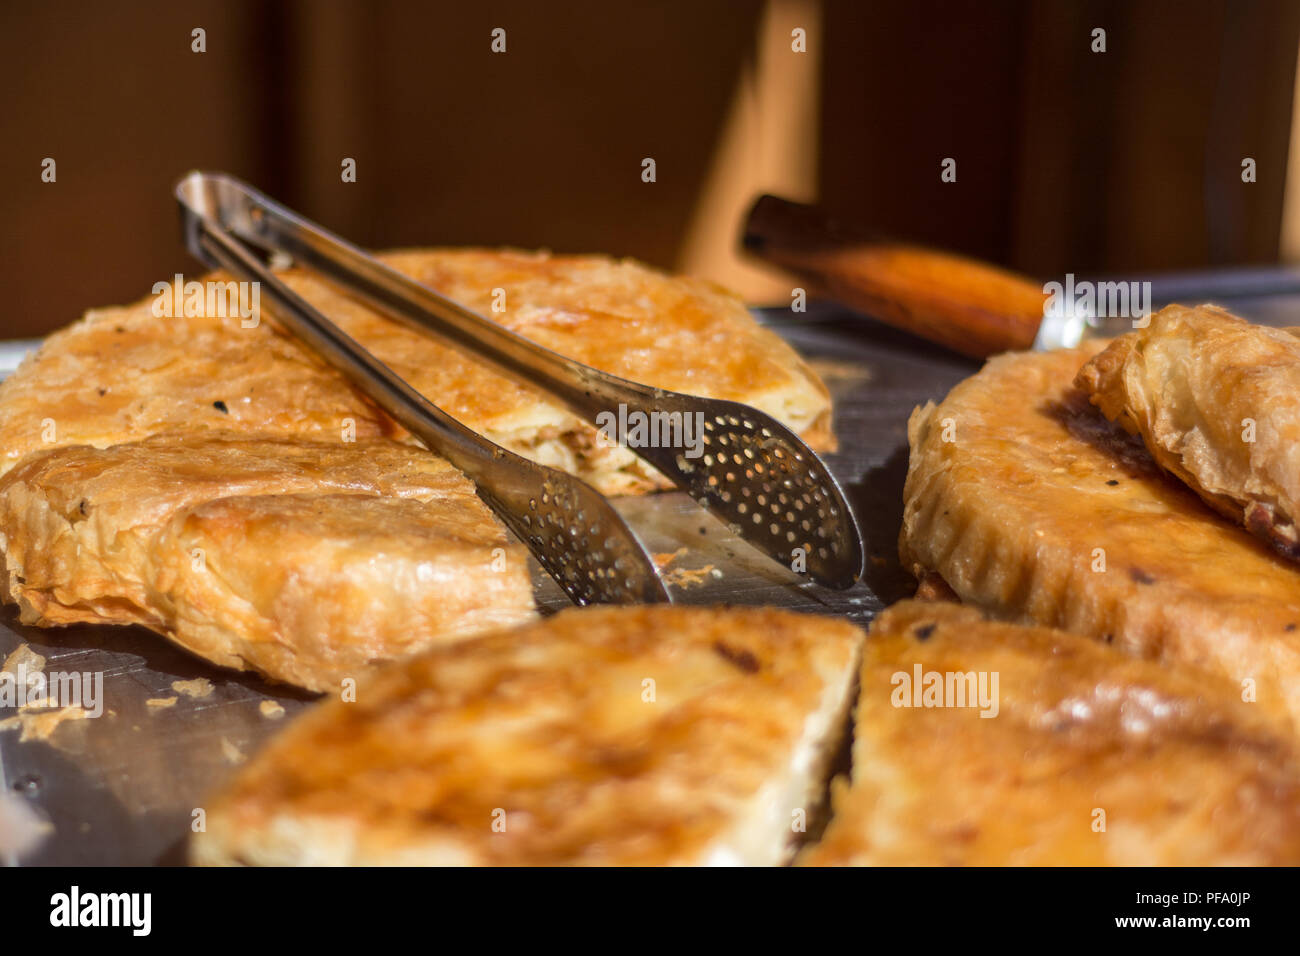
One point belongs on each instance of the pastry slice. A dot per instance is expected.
(308, 562)
(1029, 504)
(1216, 400)
(992, 744)
(618, 735)
(122, 374)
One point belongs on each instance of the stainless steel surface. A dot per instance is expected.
(1070, 327)
(754, 473)
(13, 352)
(1255, 292)
(569, 527)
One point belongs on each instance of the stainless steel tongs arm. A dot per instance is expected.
(551, 512)
(415, 413)
(259, 220)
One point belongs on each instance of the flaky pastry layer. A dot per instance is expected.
(306, 561)
(1216, 400)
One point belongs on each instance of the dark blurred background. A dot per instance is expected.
(1068, 160)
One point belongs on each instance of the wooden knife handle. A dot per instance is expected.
(968, 306)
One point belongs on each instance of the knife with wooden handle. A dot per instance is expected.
(968, 306)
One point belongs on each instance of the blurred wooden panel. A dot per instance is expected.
(540, 146)
(769, 144)
(1131, 159)
(908, 83)
(1068, 160)
(114, 95)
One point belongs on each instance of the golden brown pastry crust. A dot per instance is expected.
(1036, 490)
(547, 729)
(1195, 384)
(307, 561)
(122, 374)
(1185, 772)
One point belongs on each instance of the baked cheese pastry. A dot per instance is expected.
(616, 735)
(307, 561)
(1088, 757)
(1031, 505)
(122, 374)
(1216, 400)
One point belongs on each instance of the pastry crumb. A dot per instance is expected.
(198, 688)
(23, 654)
(231, 753)
(38, 720)
(663, 560)
(682, 577)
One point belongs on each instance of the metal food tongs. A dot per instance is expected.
(755, 473)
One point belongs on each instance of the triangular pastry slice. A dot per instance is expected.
(991, 744)
(618, 735)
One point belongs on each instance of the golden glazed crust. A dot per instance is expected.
(630, 735)
(1184, 771)
(122, 374)
(307, 561)
(1216, 400)
(1039, 510)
